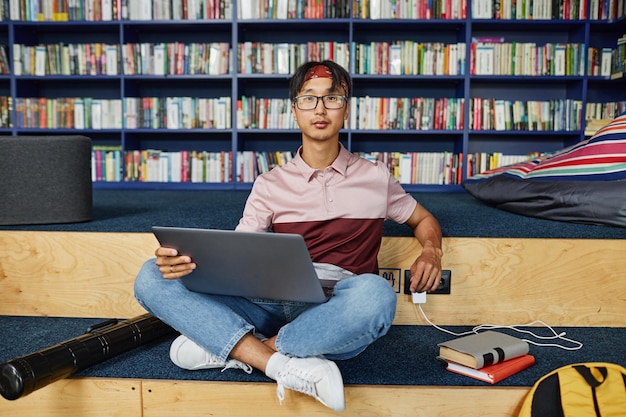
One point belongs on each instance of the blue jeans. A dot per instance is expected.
(360, 311)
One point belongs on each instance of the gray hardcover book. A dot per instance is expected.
(482, 349)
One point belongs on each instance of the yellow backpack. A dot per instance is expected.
(593, 389)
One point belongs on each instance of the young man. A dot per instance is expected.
(338, 202)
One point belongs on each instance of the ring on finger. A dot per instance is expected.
(171, 269)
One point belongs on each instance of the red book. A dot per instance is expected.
(494, 373)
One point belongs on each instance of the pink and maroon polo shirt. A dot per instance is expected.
(339, 210)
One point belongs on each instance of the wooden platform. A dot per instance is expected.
(132, 398)
(564, 282)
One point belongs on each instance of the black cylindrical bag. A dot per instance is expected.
(23, 375)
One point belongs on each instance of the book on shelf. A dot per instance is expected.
(40, 60)
(395, 60)
(500, 113)
(282, 58)
(106, 10)
(494, 373)
(96, 114)
(159, 59)
(482, 9)
(79, 113)
(484, 59)
(559, 60)
(453, 59)
(111, 60)
(605, 62)
(482, 349)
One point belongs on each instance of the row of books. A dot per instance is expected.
(607, 61)
(432, 168)
(398, 58)
(106, 163)
(107, 10)
(368, 113)
(377, 58)
(177, 113)
(251, 164)
(111, 164)
(177, 58)
(531, 115)
(605, 111)
(66, 59)
(405, 9)
(618, 63)
(68, 113)
(488, 356)
(606, 9)
(530, 9)
(264, 113)
(410, 58)
(600, 62)
(173, 9)
(399, 113)
(137, 59)
(526, 58)
(293, 9)
(478, 162)
(284, 58)
(130, 113)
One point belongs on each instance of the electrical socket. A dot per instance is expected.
(444, 285)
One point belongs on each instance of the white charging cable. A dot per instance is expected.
(554, 336)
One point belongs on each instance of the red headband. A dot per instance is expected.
(322, 71)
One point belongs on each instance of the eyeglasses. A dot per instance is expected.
(331, 101)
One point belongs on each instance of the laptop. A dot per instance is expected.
(268, 265)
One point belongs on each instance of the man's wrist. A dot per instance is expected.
(438, 251)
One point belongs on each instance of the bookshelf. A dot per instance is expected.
(160, 98)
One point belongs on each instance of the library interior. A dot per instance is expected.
(505, 118)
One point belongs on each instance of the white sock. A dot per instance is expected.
(275, 364)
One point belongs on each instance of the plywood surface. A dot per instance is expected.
(71, 274)
(164, 399)
(81, 274)
(94, 397)
(79, 398)
(564, 282)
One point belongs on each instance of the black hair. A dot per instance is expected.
(339, 76)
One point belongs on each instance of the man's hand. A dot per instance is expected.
(426, 270)
(172, 265)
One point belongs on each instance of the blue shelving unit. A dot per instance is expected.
(353, 31)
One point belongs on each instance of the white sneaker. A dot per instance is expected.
(188, 355)
(317, 377)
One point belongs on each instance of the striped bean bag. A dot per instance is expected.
(584, 183)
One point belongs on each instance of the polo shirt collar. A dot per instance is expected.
(340, 164)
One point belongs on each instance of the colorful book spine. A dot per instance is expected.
(494, 373)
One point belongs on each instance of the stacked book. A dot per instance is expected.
(487, 356)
